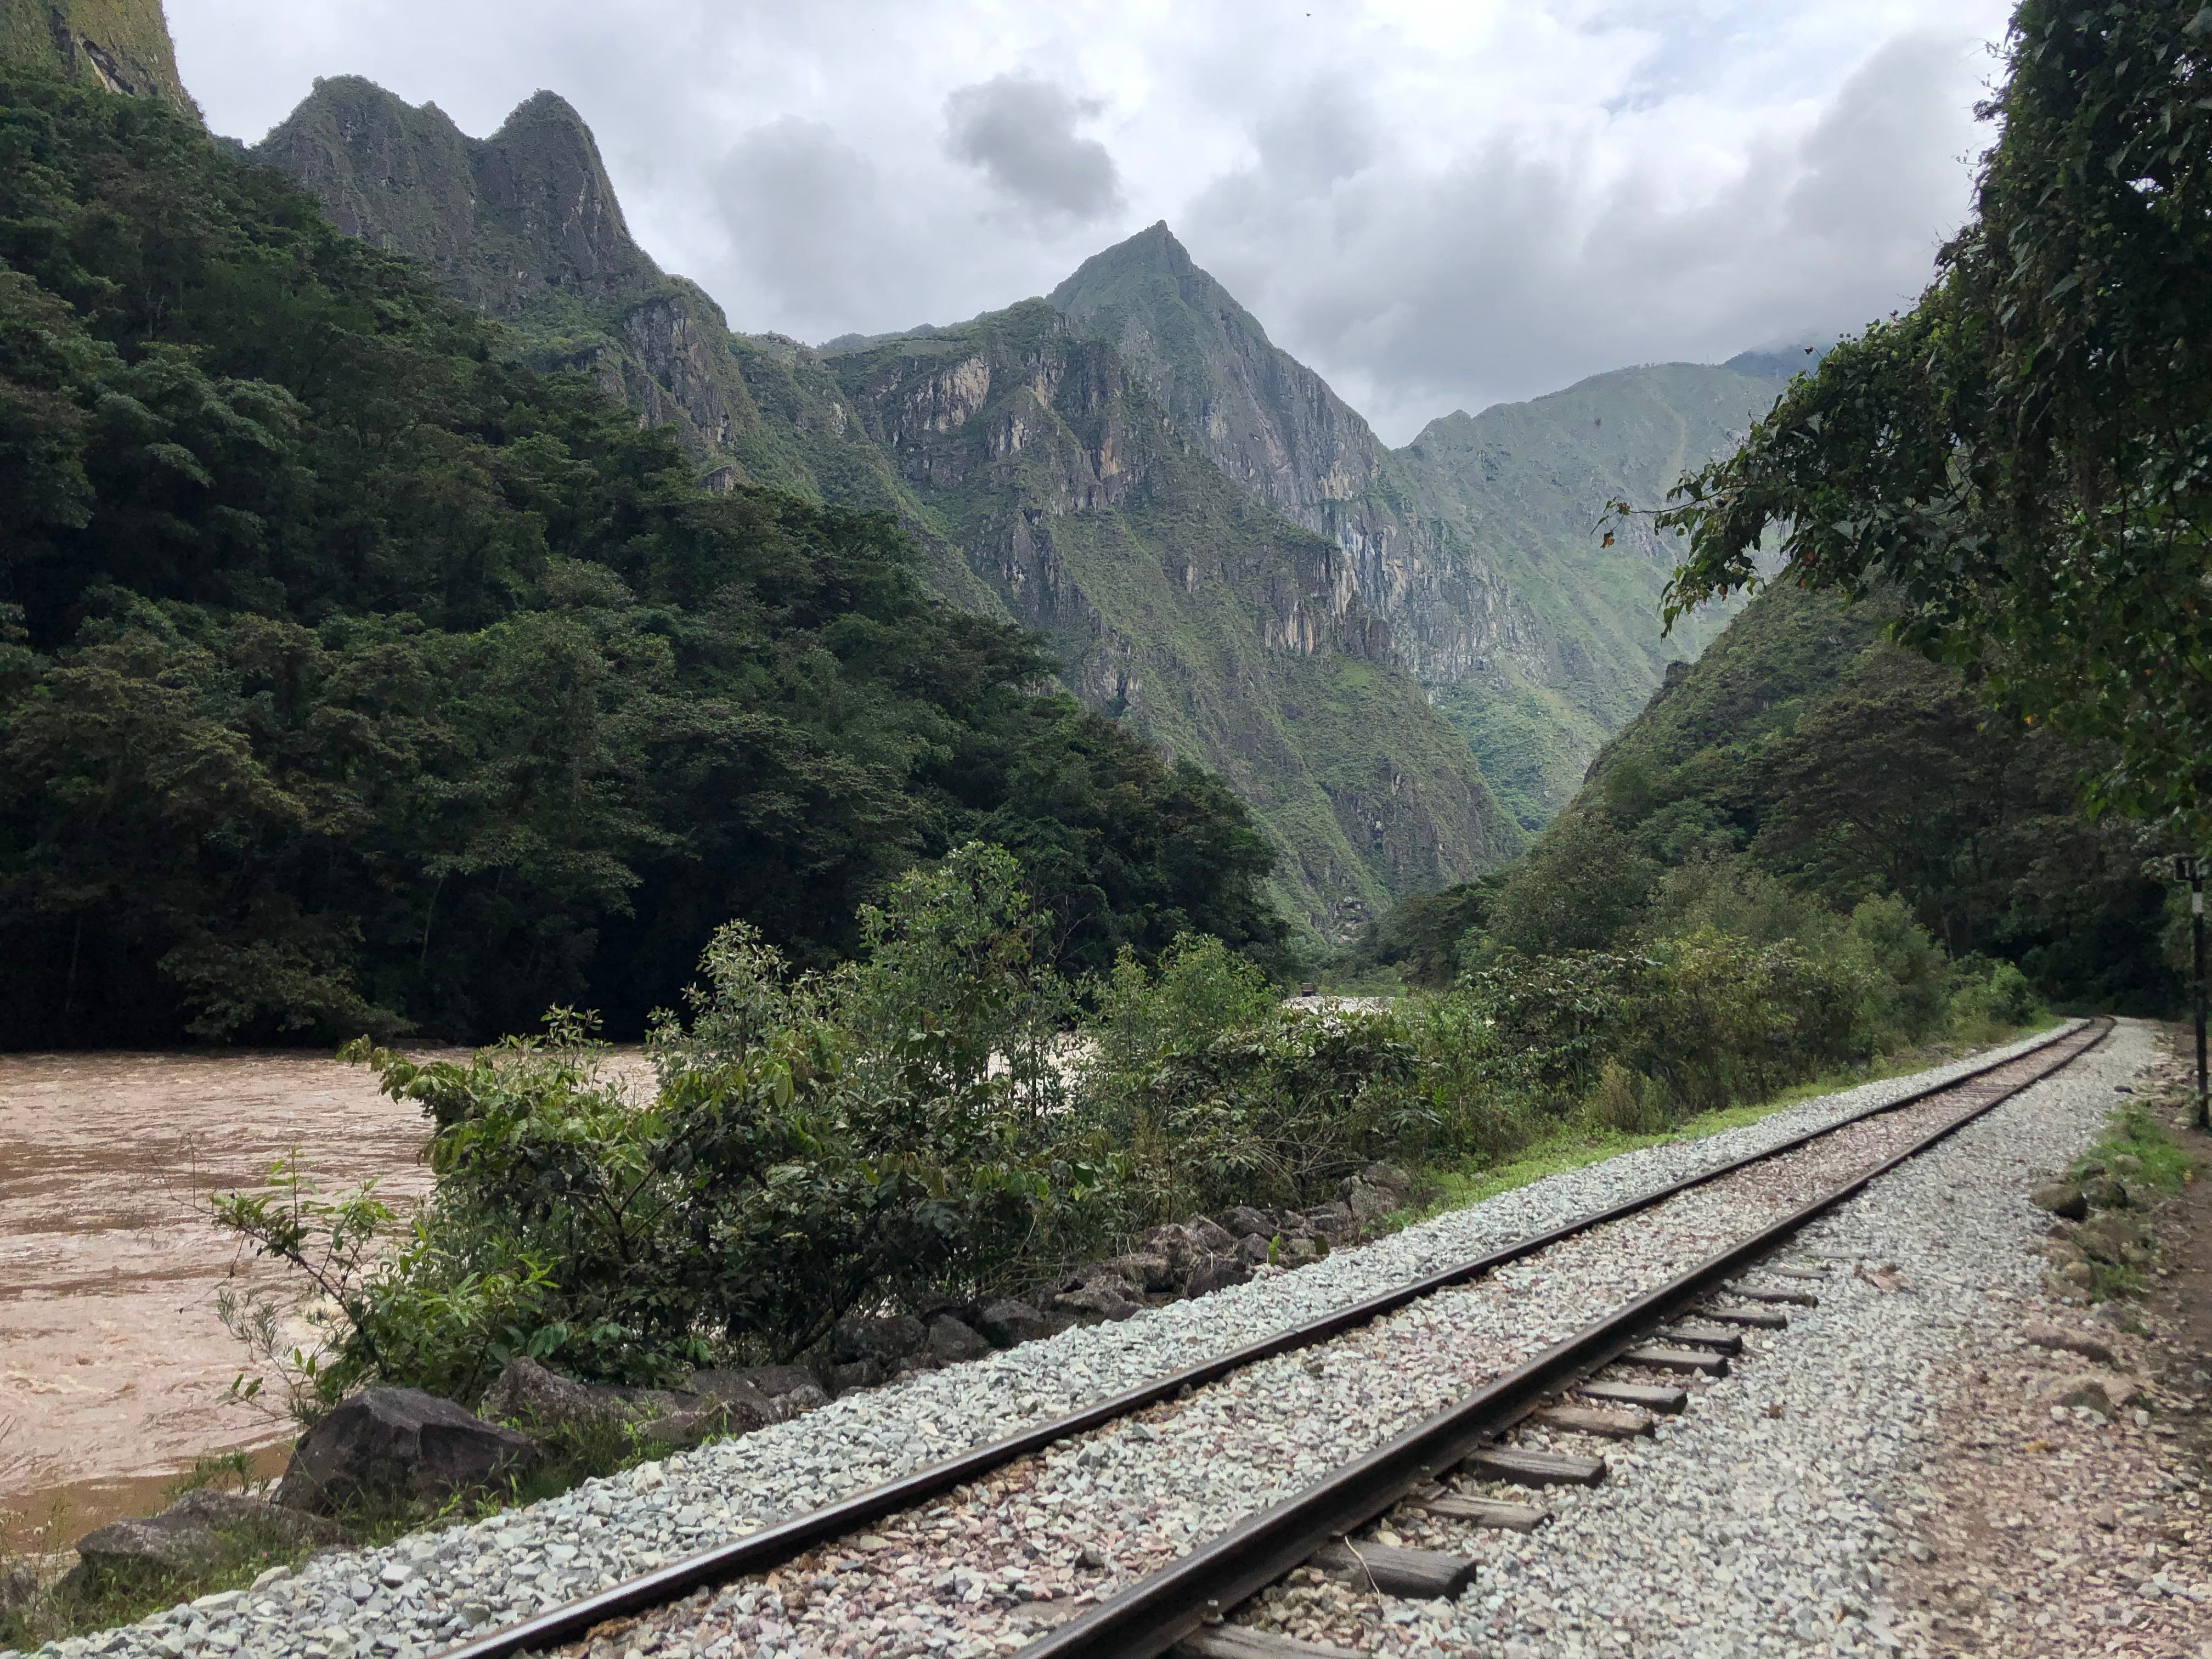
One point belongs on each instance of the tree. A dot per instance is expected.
(2025, 458)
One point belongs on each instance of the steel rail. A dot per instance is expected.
(772, 1546)
(1151, 1615)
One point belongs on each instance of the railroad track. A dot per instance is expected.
(1605, 1377)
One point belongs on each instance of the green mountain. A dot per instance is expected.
(122, 46)
(1477, 542)
(1043, 479)
(1803, 746)
(355, 677)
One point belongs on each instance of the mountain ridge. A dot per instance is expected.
(1036, 474)
(1533, 636)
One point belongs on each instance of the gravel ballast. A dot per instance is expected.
(1767, 1518)
(1072, 1524)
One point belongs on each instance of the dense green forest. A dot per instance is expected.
(1803, 766)
(354, 676)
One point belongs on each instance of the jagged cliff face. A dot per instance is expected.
(1477, 544)
(121, 45)
(525, 226)
(1040, 475)
(1220, 630)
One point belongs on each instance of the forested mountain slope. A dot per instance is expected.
(354, 675)
(1804, 746)
(121, 45)
(1477, 542)
(1036, 472)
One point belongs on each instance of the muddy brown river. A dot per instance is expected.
(113, 1365)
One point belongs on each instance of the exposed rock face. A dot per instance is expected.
(403, 1444)
(1477, 545)
(1221, 631)
(1045, 482)
(120, 44)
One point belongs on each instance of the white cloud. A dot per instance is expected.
(1437, 203)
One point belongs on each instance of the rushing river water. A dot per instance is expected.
(112, 1362)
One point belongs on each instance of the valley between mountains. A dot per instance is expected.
(1402, 660)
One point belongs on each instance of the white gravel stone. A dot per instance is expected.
(1228, 1449)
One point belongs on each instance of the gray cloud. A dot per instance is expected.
(1020, 132)
(1511, 269)
(1436, 206)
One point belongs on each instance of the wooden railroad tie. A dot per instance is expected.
(1594, 1420)
(1534, 1468)
(1481, 1511)
(1429, 1575)
(1243, 1641)
(1762, 1293)
(1756, 1319)
(1652, 1397)
(1678, 1359)
(1703, 1336)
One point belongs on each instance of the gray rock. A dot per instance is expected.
(1010, 1324)
(18, 1584)
(1296, 1250)
(1212, 1238)
(1245, 1222)
(400, 1443)
(198, 1528)
(858, 1374)
(855, 1337)
(774, 1381)
(1102, 1297)
(1334, 1222)
(1142, 1270)
(541, 1401)
(2065, 1341)
(2104, 1194)
(1253, 1252)
(2111, 1238)
(952, 1342)
(2062, 1199)
(1217, 1273)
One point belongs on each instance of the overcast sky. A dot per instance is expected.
(1436, 205)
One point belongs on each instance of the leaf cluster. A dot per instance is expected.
(2024, 459)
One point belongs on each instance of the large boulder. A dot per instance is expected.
(1148, 1270)
(1334, 1222)
(1245, 1222)
(541, 1401)
(1098, 1296)
(2105, 1193)
(2062, 1198)
(953, 1341)
(1212, 1238)
(197, 1530)
(1009, 1323)
(1376, 1191)
(387, 1444)
(786, 1390)
(1217, 1273)
(856, 1337)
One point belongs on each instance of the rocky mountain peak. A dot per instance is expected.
(526, 214)
(121, 45)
